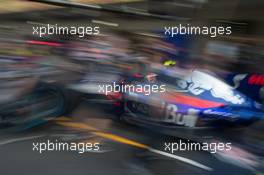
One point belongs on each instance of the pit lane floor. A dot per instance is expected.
(124, 149)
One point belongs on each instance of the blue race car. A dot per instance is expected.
(196, 105)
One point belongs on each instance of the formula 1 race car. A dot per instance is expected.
(196, 105)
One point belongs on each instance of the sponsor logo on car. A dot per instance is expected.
(199, 82)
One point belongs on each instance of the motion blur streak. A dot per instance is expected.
(121, 140)
(133, 143)
(44, 43)
(77, 125)
(207, 54)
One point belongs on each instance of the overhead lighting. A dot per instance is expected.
(105, 23)
(150, 35)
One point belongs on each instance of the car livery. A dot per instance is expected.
(250, 84)
(193, 99)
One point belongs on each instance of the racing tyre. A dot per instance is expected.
(44, 103)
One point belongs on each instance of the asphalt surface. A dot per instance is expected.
(124, 149)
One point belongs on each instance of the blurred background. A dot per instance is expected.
(41, 78)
